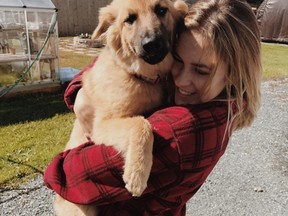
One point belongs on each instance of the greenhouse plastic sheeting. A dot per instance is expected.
(45, 4)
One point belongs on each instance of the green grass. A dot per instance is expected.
(34, 128)
(74, 60)
(274, 57)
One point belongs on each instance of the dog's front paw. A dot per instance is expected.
(138, 160)
(136, 173)
(136, 182)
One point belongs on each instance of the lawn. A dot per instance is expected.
(274, 57)
(34, 128)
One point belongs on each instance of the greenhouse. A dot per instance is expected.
(28, 44)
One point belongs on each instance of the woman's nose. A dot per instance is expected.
(183, 78)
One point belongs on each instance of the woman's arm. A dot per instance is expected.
(93, 173)
(188, 142)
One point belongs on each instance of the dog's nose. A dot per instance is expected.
(153, 45)
(155, 49)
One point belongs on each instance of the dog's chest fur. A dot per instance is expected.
(116, 93)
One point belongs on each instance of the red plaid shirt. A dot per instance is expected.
(188, 144)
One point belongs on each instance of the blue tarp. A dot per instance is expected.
(67, 74)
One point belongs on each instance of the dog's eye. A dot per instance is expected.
(160, 11)
(130, 19)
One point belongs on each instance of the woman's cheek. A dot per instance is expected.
(212, 93)
(176, 69)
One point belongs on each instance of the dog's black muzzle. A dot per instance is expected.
(155, 49)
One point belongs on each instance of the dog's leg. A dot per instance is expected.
(83, 124)
(138, 161)
(84, 112)
(134, 138)
(63, 207)
(77, 136)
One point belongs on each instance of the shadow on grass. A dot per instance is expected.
(31, 108)
(20, 175)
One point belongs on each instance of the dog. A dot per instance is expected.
(125, 83)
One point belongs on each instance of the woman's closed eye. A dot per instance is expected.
(201, 71)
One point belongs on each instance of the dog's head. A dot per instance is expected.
(141, 32)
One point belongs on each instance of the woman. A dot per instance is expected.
(217, 75)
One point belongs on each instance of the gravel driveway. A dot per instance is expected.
(250, 179)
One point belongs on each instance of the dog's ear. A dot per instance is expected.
(181, 7)
(107, 16)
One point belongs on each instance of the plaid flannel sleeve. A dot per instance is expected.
(93, 173)
(188, 142)
(187, 145)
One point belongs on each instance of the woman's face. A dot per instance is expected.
(193, 68)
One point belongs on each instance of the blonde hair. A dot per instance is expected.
(231, 29)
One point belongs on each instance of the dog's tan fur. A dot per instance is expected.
(110, 104)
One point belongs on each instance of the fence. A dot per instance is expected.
(78, 16)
